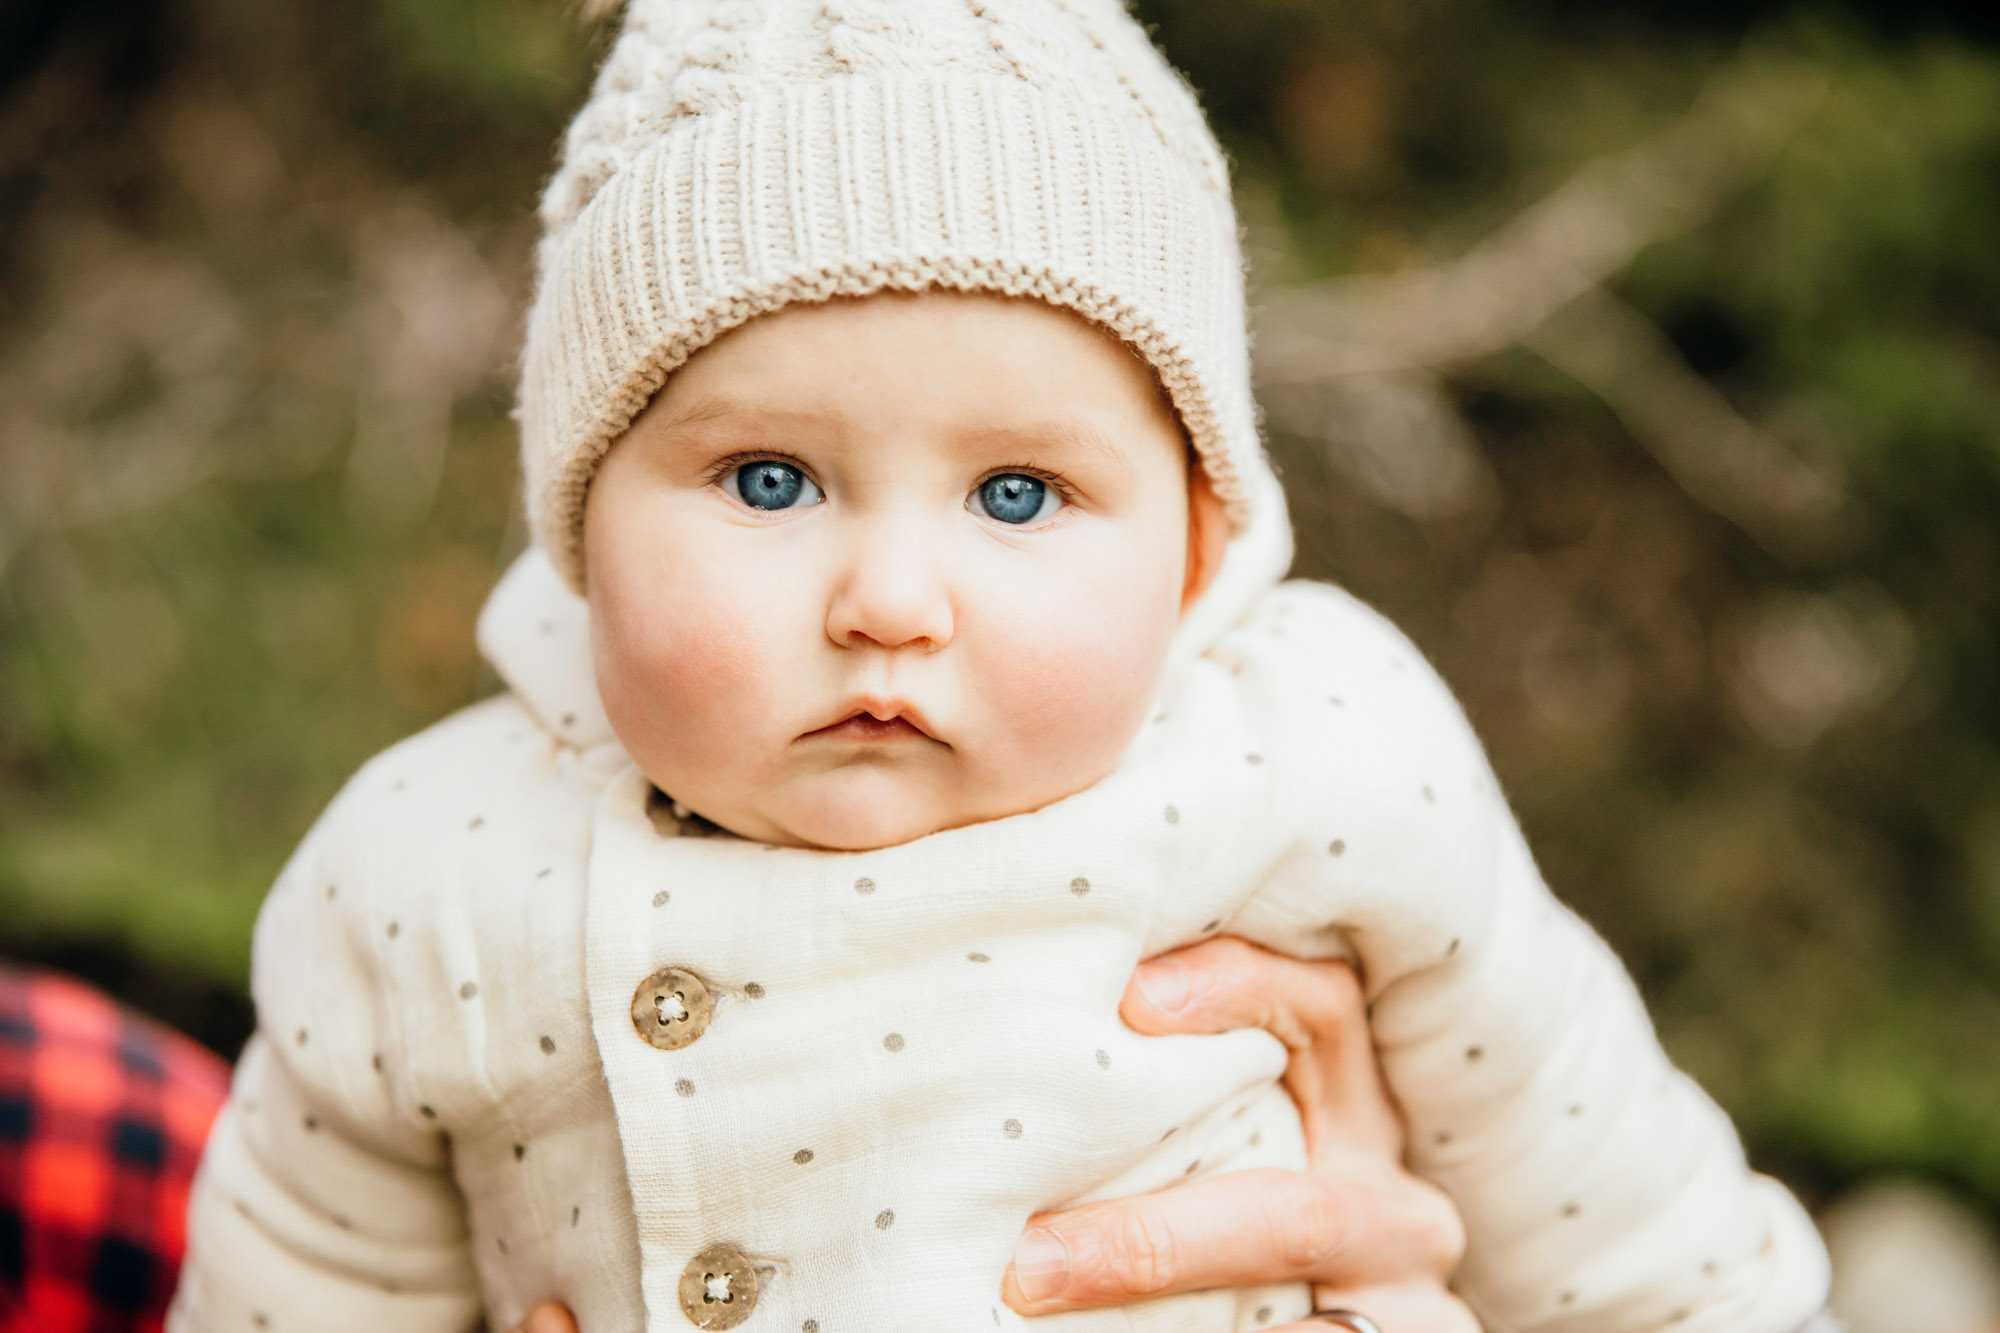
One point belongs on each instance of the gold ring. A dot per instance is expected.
(1352, 1320)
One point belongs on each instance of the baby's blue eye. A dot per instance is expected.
(1013, 497)
(767, 484)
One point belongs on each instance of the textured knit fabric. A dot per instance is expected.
(102, 1118)
(916, 1048)
(740, 155)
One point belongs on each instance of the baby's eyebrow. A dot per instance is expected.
(705, 411)
(1073, 435)
(1061, 434)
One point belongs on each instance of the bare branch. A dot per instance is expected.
(1717, 456)
(1588, 230)
(1344, 361)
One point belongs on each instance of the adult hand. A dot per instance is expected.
(1364, 1232)
(546, 1318)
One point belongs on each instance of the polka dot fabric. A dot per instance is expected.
(902, 1054)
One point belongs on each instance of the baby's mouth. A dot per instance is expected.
(865, 726)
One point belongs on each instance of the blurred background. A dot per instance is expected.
(1643, 361)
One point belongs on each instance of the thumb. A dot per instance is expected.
(546, 1318)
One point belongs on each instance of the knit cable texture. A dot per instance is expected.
(741, 155)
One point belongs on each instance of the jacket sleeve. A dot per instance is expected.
(1601, 1188)
(324, 1201)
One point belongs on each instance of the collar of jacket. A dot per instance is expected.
(536, 633)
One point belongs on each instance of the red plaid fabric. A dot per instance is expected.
(102, 1119)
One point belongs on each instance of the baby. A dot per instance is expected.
(903, 659)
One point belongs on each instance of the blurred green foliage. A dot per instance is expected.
(254, 260)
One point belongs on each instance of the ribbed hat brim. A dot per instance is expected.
(846, 186)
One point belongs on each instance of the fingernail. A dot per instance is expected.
(1165, 985)
(1041, 1265)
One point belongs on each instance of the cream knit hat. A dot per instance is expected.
(739, 155)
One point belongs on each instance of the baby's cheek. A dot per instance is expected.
(1077, 678)
(690, 665)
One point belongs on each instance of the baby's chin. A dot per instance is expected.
(864, 807)
(857, 808)
(860, 812)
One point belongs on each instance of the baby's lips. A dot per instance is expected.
(865, 727)
(878, 710)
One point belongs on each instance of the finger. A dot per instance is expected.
(1358, 1224)
(1315, 1008)
(1223, 984)
(1412, 1308)
(546, 1318)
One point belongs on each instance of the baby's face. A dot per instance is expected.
(870, 569)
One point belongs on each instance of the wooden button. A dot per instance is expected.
(671, 1008)
(718, 1288)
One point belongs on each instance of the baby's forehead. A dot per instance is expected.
(958, 371)
(1042, 427)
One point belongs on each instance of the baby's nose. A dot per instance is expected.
(892, 595)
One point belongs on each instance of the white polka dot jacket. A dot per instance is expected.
(523, 1037)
